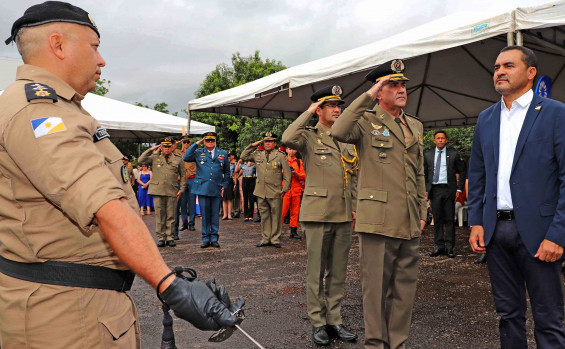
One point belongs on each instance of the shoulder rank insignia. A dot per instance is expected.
(413, 116)
(370, 111)
(311, 128)
(39, 91)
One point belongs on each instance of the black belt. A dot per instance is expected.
(69, 274)
(439, 185)
(505, 215)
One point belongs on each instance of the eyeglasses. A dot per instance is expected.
(332, 106)
(209, 140)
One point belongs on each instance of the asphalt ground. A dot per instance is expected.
(453, 309)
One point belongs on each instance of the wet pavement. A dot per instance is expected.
(454, 306)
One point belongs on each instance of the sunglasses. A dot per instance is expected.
(186, 141)
(166, 146)
(209, 140)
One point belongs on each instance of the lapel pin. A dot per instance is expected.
(538, 107)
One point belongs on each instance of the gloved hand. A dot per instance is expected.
(223, 296)
(196, 303)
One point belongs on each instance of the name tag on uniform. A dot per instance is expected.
(100, 134)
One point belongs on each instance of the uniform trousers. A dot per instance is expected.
(389, 273)
(271, 220)
(292, 202)
(327, 245)
(443, 209)
(210, 210)
(36, 315)
(187, 204)
(248, 186)
(165, 207)
(512, 271)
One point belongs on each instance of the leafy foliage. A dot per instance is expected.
(162, 107)
(102, 87)
(236, 132)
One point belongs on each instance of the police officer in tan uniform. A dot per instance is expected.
(326, 211)
(167, 167)
(272, 167)
(391, 206)
(70, 230)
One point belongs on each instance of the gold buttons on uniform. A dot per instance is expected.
(370, 197)
(315, 193)
(382, 144)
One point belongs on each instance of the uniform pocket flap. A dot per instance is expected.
(381, 143)
(117, 324)
(316, 192)
(547, 210)
(373, 194)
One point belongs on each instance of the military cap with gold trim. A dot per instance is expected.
(210, 135)
(185, 139)
(269, 136)
(328, 94)
(52, 11)
(394, 68)
(167, 141)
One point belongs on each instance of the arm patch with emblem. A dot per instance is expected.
(39, 91)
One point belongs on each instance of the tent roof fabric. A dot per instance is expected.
(449, 62)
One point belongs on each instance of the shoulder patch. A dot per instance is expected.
(100, 134)
(39, 91)
(48, 125)
(412, 116)
(370, 111)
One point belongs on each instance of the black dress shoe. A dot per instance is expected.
(184, 227)
(341, 332)
(277, 245)
(481, 259)
(437, 252)
(191, 228)
(450, 253)
(320, 336)
(262, 244)
(171, 243)
(161, 243)
(215, 244)
(205, 244)
(176, 237)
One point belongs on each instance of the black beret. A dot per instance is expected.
(210, 135)
(328, 94)
(269, 136)
(52, 11)
(395, 68)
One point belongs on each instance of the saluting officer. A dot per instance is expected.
(326, 212)
(70, 227)
(391, 206)
(272, 167)
(212, 177)
(167, 167)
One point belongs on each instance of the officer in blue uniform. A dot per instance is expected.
(212, 176)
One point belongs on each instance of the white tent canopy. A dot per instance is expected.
(126, 122)
(449, 62)
(130, 123)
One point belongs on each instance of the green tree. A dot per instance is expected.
(236, 132)
(460, 139)
(161, 107)
(102, 87)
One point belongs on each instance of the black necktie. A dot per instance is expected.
(438, 167)
(397, 120)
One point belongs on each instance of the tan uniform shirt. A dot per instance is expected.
(327, 195)
(392, 191)
(271, 168)
(166, 172)
(53, 176)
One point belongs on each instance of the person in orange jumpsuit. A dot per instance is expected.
(293, 196)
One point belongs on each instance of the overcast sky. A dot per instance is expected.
(161, 50)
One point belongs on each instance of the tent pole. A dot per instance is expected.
(188, 122)
(519, 38)
(509, 39)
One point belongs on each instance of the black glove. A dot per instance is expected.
(222, 295)
(196, 303)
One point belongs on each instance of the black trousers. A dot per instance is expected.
(512, 271)
(443, 210)
(248, 187)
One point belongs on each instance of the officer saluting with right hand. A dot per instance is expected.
(70, 230)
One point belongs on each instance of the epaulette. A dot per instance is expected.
(175, 154)
(370, 111)
(282, 152)
(311, 128)
(413, 116)
(39, 91)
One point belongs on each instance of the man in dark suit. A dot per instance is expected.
(517, 201)
(441, 167)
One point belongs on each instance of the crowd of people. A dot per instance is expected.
(73, 239)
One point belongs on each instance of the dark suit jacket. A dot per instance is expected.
(537, 178)
(454, 165)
